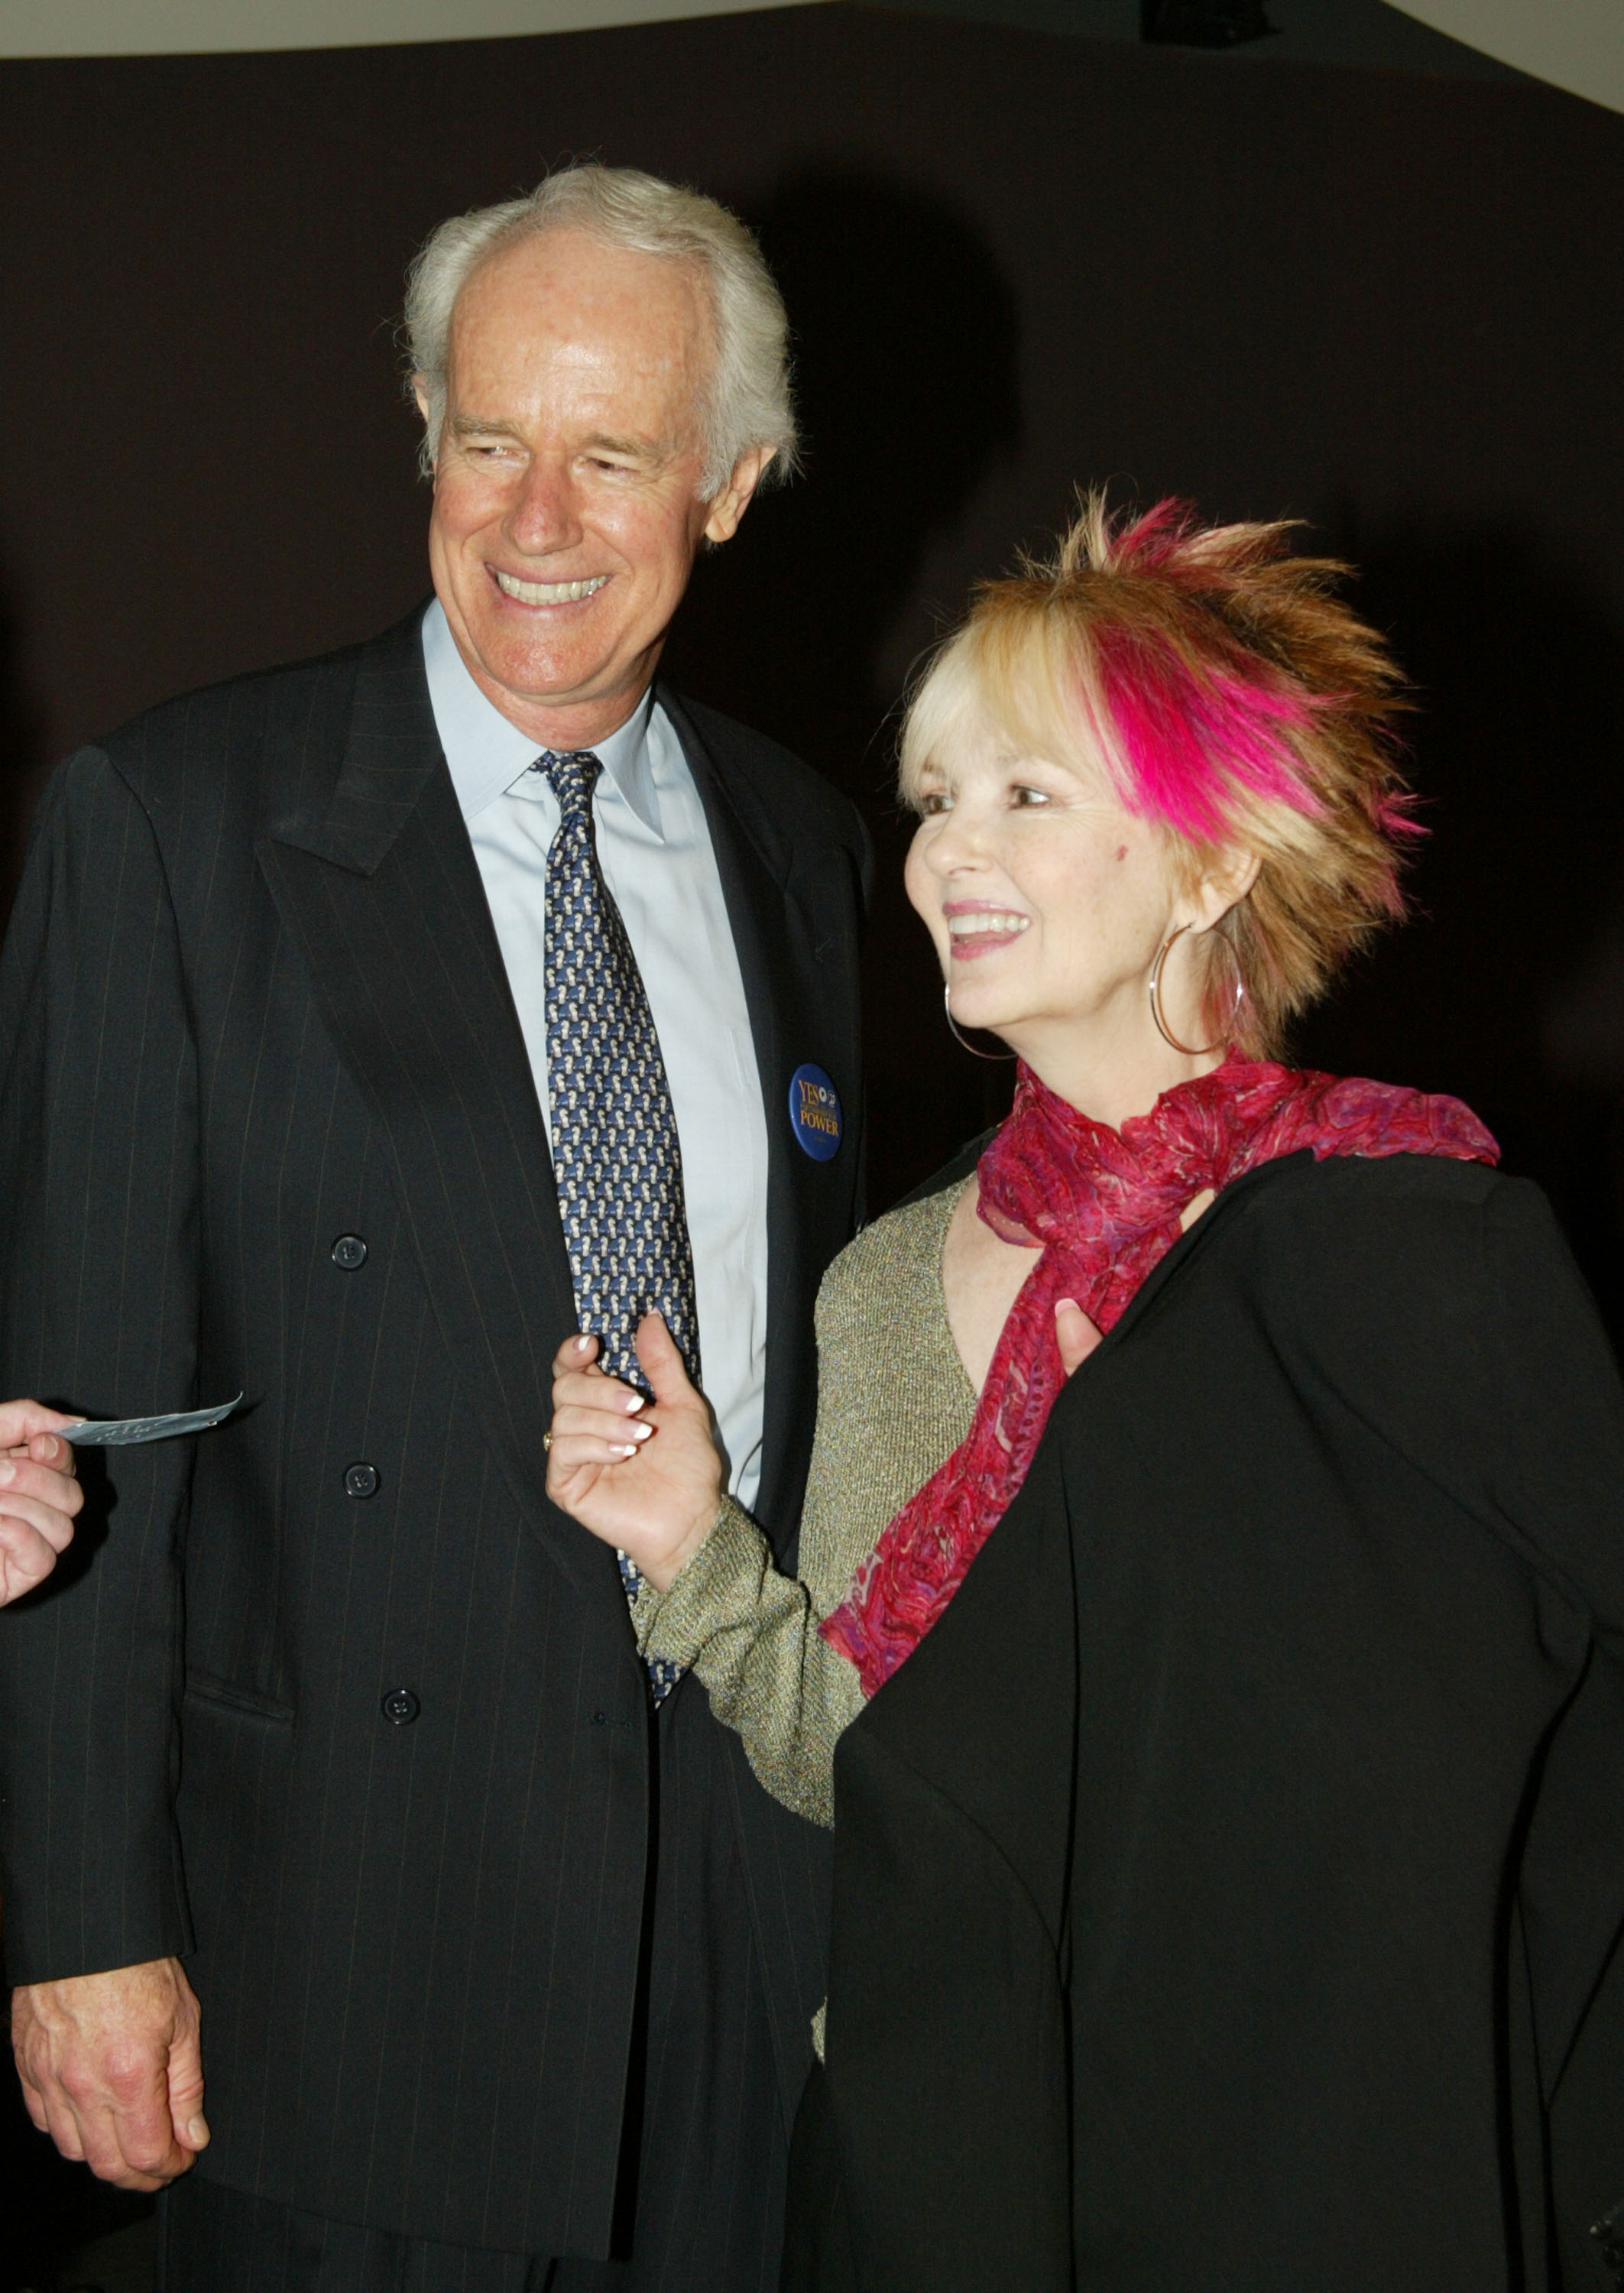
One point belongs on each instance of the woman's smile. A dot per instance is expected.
(977, 927)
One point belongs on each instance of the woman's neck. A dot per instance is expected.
(1113, 1082)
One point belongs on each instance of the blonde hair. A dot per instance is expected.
(747, 402)
(1232, 698)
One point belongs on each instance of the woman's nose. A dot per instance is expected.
(959, 842)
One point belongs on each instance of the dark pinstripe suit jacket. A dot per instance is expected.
(252, 1001)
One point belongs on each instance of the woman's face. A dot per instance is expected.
(1047, 901)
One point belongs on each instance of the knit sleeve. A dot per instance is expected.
(892, 1402)
(751, 1635)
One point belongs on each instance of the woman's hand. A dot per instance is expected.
(1075, 1334)
(38, 1494)
(646, 1477)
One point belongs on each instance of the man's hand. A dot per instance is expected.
(112, 2069)
(38, 1494)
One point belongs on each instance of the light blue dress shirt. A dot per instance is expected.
(655, 851)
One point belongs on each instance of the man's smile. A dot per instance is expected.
(547, 592)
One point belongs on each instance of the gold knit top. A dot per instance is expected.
(893, 1403)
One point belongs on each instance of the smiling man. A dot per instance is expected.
(369, 1025)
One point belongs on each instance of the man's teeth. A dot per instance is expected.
(547, 592)
(991, 922)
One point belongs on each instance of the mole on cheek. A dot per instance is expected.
(1121, 851)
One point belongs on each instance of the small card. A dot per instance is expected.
(123, 1432)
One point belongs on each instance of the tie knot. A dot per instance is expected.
(573, 774)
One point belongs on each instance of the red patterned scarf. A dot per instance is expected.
(1105, 1207)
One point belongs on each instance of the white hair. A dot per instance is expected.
(747, 401)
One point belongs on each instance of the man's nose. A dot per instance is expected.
(542, 516)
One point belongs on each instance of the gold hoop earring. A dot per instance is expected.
(947, 1005)
(1162, 1028)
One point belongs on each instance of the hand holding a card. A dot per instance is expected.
(40, 1495)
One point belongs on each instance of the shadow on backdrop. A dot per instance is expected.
(907, 383)
(21, 764)
(1509, 978)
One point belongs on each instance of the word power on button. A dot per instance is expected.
(814, 1113)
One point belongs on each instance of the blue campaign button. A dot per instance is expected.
(814, 1113)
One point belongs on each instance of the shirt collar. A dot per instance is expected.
(488, 756)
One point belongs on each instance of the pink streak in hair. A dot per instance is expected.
(1154, 535)
(1393, 815)
(1185, 738)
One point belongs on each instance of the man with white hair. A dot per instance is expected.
(368, 1025)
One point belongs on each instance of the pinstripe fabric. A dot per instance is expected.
(706, 2196)
(251, 1001)
(225, 2242)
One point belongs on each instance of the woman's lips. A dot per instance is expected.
(973, 932)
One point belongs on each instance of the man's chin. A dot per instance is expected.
(538, 678)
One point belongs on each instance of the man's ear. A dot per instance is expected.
(724, 510)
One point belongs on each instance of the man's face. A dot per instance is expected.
(566, 490)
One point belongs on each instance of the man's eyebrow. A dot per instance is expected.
(653, 450)
(475, 426)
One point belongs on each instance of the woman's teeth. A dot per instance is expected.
(547, 592)
(991, 923)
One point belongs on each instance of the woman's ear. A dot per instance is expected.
(1223, 887)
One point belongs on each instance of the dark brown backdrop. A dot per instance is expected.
(1387, 303)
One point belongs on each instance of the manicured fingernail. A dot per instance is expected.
(636, 1402)
(624, 1449)
(1062, 1303)
(196, 2132)
(52, 1448)
(581, 1344)
(640, 1432)
(8, 1471)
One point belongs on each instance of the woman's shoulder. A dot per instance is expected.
(1363, 1197)
(1356, 1240)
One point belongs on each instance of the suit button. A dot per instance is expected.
(361, 1480)
(400, 1707)
(349, 1251)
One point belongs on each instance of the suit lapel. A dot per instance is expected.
(375, 879)
(779, 963)
(382, 893)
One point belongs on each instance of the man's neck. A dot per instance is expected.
(570, 724)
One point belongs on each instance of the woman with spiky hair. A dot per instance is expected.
(1230, 1848)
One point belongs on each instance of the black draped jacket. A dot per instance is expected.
(1227, 1887)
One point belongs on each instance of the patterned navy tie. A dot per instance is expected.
(615, 1154)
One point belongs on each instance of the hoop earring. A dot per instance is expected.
(947, 1005)
(1162, 1028)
